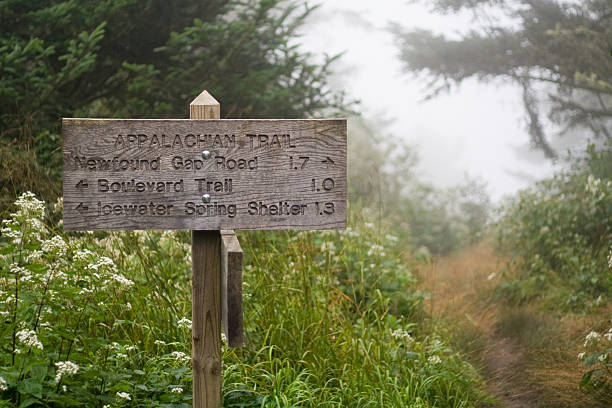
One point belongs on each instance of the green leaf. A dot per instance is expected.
(38, 372)
(30, 387)
(411, 355)
(28, 402)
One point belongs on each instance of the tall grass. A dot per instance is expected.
(331, 319)
(559, 237)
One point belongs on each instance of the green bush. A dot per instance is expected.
(331, 319)
(598, 358)
(559, 235)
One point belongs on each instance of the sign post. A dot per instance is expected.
(206, 175)
(206, 294)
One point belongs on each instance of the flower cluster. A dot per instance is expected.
(124, 395)
(184, 323)
(598, 356)
(28, 338)
(591, 338)
(55, 245)
(180, 357)
(400, 334)
(65, 368)
(28, 217)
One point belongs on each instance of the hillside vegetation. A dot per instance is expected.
(332, 319)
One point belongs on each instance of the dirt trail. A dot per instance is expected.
(457, 285)
(526, 353)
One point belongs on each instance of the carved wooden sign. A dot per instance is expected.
(204, 174)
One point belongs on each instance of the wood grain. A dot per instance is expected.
(231, 288)
(206, 295)
(206, 319)
(136, 174)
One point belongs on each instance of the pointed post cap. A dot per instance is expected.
(204, 107)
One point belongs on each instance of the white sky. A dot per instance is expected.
(478, 129)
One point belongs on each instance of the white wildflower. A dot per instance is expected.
(491, 276)
(401, 334)
(64, 388)
(14, 235)
(177, 390)
(103, 262)
(28, 205)
(592, 185)
(592, 337)
(3, 386)
(180, 356)
(29, 339)
(581, 355)
(602, 358)
(83, 255)
(608, 335)
(65, 368)
(22, 273)
(122, 280)
(35, 256)
(55, 245)
(434, 359)
(184, 323)
(124, 395)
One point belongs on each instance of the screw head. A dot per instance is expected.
(206, 154)
(206, 198)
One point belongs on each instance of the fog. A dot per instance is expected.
(477, 129)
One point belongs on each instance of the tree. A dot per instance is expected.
(557, 52)
(143, 58)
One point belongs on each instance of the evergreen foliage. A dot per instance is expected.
(557, 52)
(142, 59)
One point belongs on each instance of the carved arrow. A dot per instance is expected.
(81, 208)
(328, 161)
(81, 185)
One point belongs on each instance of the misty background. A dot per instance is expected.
(476, 130)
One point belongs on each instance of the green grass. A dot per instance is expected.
(332, 319)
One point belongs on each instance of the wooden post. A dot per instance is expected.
(206, 294)
(231, 288)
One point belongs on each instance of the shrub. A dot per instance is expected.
(559, 235)
(101, 320)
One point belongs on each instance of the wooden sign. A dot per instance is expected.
(204, 174)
